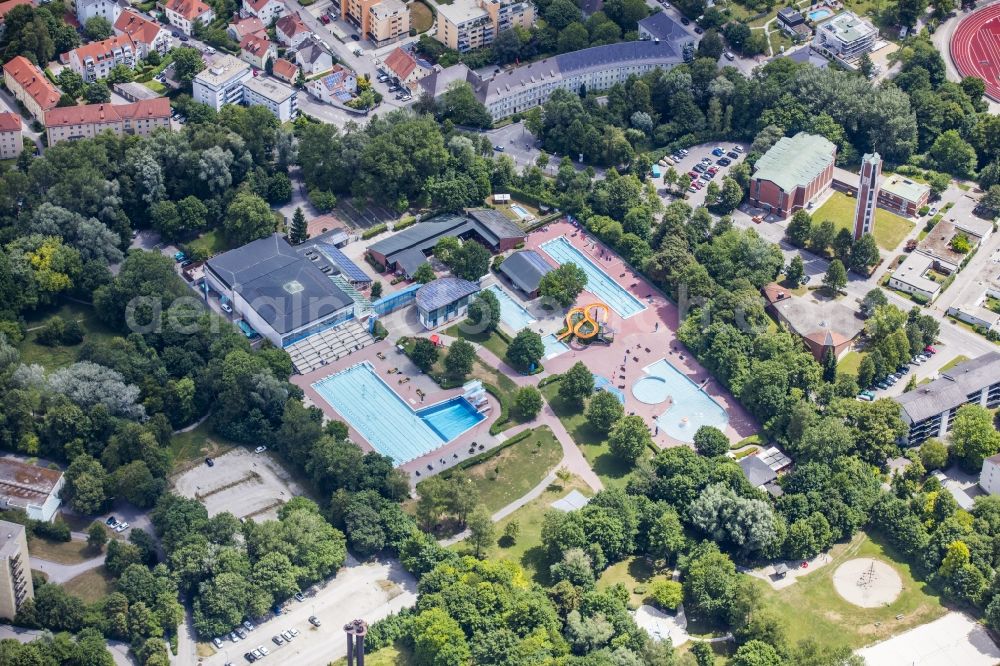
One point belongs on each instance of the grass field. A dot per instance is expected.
(63, 552)
(527, 550)
(961, 358)
(514, 470)
(632, 573)
(208, 244)
(850, 363)
(812, 608)
(613, 472)
(394, 655)
(890, 229)
(155, 86)
(421, 17)
(490, 340)
(192, 447)
(91, 585)
(60, 356)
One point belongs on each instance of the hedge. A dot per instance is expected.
(374, 231)
(501, 423)
(408, 221)
(486, 455)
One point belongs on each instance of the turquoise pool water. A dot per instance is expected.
(691, 407)
(553, 347)
(387, 422)
(819, 14)
(599, 283)
(512, 313)
(519, 211)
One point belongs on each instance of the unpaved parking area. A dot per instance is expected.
(367, 591)
(948, 641)
(246, 484)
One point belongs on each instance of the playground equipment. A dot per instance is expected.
(581, 324)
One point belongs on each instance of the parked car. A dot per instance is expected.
(314, 621)
(930, 350)
(249, 657)
(241, 632)
(705, 177)
(121, 527)
(226, 307)
(324, 19)
(883, 385)
(724, 161)
(693, 174)
(718, 152)
(299, 596)
(733, 155)
(932, 211)
(685, 20)
(699, 30)
(111, 521)
(293, 631)
(497, 147)
(247, 623)
(217, 642)
(738, 149)
(355, 37)
(233, 637)
(286, 634)
(729, 55)
(692, 189)
(865, 397)
(700, 168)
(260, 449)
(713, 170)
(257, 653)
(263, 650)
(209, 462)
(179, 256)
(278, 640)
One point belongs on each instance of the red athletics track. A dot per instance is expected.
(975, 48)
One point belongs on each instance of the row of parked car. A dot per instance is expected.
(901, 371)
(113, 523)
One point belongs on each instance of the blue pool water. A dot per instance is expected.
(389, 424)
(599, 283)
(689, 402)
(519, 211)
(818, 14)
(553, 347)
(512, 313)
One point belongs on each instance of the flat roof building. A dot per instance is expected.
(792, 173)
(405, 251)
(30, 488)
(929, 410)
(280, 99)
(472, 24)
(911, 276)
(280, 291)
(221, 82)
(845, 37)
(903, 196)
(15, 569)
(443, 300)
(525, 269)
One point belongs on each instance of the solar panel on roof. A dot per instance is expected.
(346, 266)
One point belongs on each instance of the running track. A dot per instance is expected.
(975, 48)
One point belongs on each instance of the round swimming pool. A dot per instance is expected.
(651, 390)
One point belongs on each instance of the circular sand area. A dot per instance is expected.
(867, 582)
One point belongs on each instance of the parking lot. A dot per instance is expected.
(246, 484)
(694, 157)
(369, 591)
(361, 216)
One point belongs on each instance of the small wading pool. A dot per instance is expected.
(553, 346)
(819, 14)
(519, 211)
(651, 390)
(690, 406)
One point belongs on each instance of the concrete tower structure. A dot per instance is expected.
(864, 214)
(356, 632)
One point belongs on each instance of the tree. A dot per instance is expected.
(951, 153)
(424, 273)
(822, 236)
(973, 437)
(836, 276)
(933, 454)
(563, 284)
(187, 62)
(864, 253)
(604, 410)
(711, 45)
(96, 92)
(576, 384)
(865, 65)
(511, 531)
(525, 350)
(573, 38)
(376, 291)
(97, 535)
(873, 300)
(424, 354)
(97, 28)
(458, 362)
(730, 197)
(629, 437)
(829, 366)
(248, 218)
(484, 312)
(527, 402)
(482, 532)
(756, 653)
(439, 640)
(866, 371)
(795, 271)
(710, 442)
(576, 567)
(459, 105)
(666, 594)
(299, 231)
(799, 229)
(470, 262)
(86, 483)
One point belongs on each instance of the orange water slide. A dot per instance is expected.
(585, 320)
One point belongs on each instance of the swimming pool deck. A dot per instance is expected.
(633, 336)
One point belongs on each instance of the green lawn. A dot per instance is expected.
(890, 229)
(812, 608)
(527, 550)
(208, 244)
(91, 586)
(489, 339)
(613, 472)
(190, 448)
(635, 573)
(513, 471)
(155, 86)
(60, 356)
(421, 17)
(394, 655)
(953, 362)
(850, 363)
(63, 552)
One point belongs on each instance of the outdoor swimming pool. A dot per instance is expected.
(386, 421)
(599, 283)
(691, 407)
(520, 211)
(819, 14)
(553, 346)
(512, 313)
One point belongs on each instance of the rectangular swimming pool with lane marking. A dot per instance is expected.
(599, 283)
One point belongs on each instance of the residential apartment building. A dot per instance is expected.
(903, 196)
(68, 123)
(30, 488)
(845, 37)
(792, 173)
(15, 569)
(989, 477)
(291, 30)
(280, 99)
(388, 22)
(340, 85)
(256, 50)
(94, 61)
(472, 24)
(221, 82)
(266, 10)
(11, 141)
(145, 34)
(185, 13)
(30, 87)
(107, 9)
(929, 410)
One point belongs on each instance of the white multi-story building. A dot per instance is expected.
(30, 488)
(266, 10)
(95, 61)
(145, 34)
(845, 37)
(280, 99)
(221, 82)
(185, 13)
(11, 141)
(989, 477)
(15, 569)
(108, 9)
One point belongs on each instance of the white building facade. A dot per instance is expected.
(221, 82)
(280, 99)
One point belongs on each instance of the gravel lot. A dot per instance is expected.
(948, 641)
(246, 484)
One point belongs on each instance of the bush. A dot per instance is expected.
(527, 402)
(923, 210)
(60, 331)
(373, 231)
(51, 531)
(323, 200)
(407, 221)
(666, 594)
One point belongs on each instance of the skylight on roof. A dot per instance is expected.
(293, 287)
